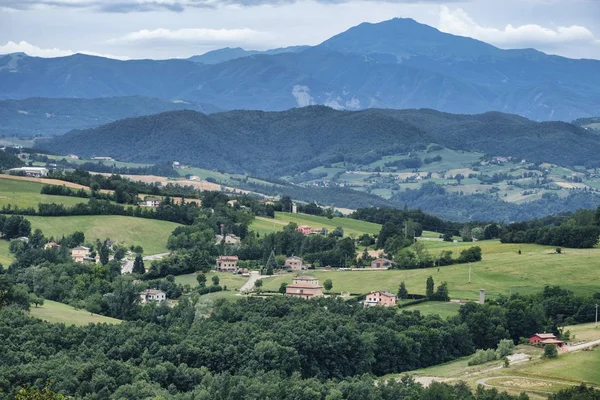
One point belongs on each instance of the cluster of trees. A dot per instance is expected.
(255, 347)
(166, 211)
(9, 160)
(578, 230)
(14, 226)
(505, 348)
(434, 199)
(62, 190)
(126, 190)
(399, 217)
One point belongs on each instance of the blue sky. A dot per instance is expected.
(181, 28)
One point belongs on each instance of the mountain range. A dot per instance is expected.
(393, 64)
(48, 116)
(276, 144)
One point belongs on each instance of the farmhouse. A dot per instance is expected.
(80, 254)
(381, 263)
(227, 263)
(546, 338)
(228, 239)
(29, 171)
(103, 158)
(153, 295)
(151, 202)
(304, 287)
(380, 298)
(294, 263)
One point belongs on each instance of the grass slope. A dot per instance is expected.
(225, 279)
(350, 226)
(443, 309)
(151, 234)
(502, 271)
(55, 312)
(27, 194)
(5, 256)
(555, 374)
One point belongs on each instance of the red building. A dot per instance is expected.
(380, 298)
(546, 338)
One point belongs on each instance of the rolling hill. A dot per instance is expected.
(393, 64)
(274, 144)
(48, 117)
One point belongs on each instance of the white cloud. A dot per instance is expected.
(24, 47)
(196, 35)
(458, 22)
(35, 51)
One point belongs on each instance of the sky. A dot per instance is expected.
(159, 29)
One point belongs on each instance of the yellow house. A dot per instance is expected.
(80, 253)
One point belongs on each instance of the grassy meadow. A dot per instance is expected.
(55, 312)
(351, 226)
(535, 376)
(5, 256)
(225, 279)
(443, 309)
(151, 234)
(27, 194)
(502, 271)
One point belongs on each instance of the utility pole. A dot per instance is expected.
(469, 273)
(596, 315)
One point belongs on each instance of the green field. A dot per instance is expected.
(351, 226)
(582, 366)
(27, 194)
(5, 256)
(225, 279)
(443, 309)
(502, 271)
(151, 234)
(55, 312)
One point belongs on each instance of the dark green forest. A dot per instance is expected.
(273, 144)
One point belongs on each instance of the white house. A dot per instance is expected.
(153, 295)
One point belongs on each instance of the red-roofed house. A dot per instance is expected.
(547, 338)
(304, 287)
(227, 264)
(538, 337)
(381, 298)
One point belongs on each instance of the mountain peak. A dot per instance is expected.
(406, 38)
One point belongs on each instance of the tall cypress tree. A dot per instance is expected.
(138, 265)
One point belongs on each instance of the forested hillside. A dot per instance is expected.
(274, 144)
(48, 117)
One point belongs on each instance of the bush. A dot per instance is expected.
(482, 356)
(550, 351)
(505, 348)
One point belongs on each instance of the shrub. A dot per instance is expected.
(550, 351)
(505, 348)
(482, 356)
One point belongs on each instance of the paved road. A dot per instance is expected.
(249, 285)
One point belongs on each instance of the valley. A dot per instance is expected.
(395, 211)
